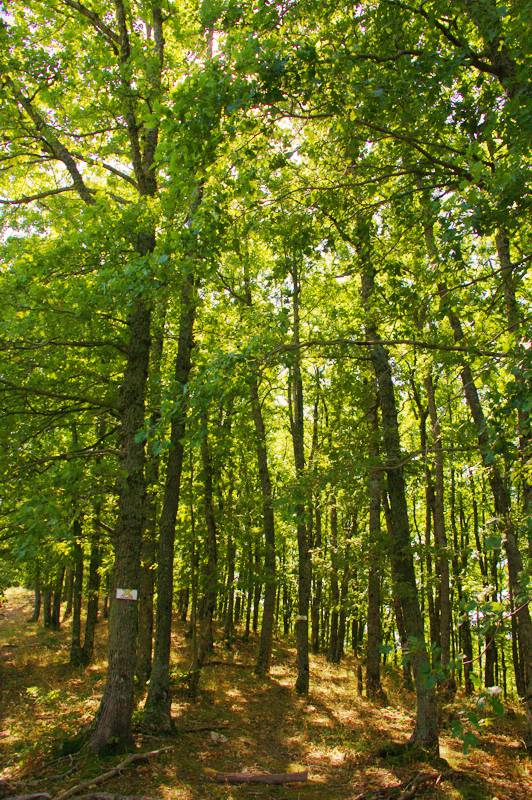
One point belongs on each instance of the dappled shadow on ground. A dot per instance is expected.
(332, 733)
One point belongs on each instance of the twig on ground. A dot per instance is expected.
(133, 759)
(408, 789)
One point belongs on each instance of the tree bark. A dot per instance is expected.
(157, 710)
(440, 538)
(298, 443)
(262, 666)
(210, 582)
(401, 556)
(75, 646)
(93, 591)
(374, 688)
(335, 591)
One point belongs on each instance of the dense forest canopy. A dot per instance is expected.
(265, 332)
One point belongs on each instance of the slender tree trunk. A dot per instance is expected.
(210, 592)
(229, 624)
(500, 492)
(69, 585)
(374, 688)
(57, 596)
(401, 556)
(157, 710)
(93, 591)
(75, 646)
(318, 586)
(262, 666)
(335, 591)
(47, 605)
(440, 537)
(304, 559)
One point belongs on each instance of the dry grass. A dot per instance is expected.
(333, 733)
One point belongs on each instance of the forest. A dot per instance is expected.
(265, 396)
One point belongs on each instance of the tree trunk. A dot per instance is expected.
(440, 538)
(157, 710)
(93, 591)
(210, 583)
(113, 732)
(335, 591)
(57, 596)
(401, 556)
(75, 645)
(374, 688)
(318, 586)
(47, 605)
(69, 586)
(262, 666)
(304, 575)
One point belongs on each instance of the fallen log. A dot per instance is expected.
(106, 776)
(257, 777)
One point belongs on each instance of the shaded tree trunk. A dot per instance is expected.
(262, 666)
(335, 591)
(401, 556)
(57, 596)
(75, 645)
(157, 710)
(93, 591)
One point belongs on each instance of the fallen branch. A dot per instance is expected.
(257, 777)
(36, 796)
(107, 796)
(133, 759)
(408, 789)
(201, 728)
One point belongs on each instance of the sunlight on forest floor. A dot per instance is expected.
(333, 733)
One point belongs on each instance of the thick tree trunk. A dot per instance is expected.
(157, 711)
(148, 555)
(113, 731)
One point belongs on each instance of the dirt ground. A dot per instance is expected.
(334, 734)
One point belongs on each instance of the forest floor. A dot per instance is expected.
(334, 734)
